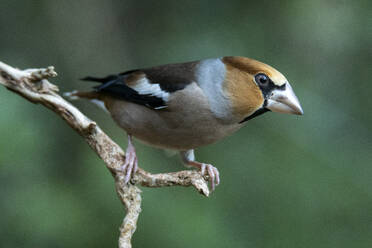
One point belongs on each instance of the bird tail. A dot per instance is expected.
(93, 96)
(76, 95)
(100, 80)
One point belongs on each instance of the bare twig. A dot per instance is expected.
(33, 85)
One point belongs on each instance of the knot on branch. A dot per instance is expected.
(42, 73)
(90, 128)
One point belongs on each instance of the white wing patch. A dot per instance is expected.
(143, 87)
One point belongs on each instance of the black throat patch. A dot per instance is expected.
(266, 92)
(258, 112)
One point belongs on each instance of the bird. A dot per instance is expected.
(184, 106)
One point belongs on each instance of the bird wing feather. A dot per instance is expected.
(150, 87)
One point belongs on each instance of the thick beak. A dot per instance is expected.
(284, 101)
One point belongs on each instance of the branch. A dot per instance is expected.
(33, 85)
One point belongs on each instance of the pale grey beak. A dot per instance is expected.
(284, 101)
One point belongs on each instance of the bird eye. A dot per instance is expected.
(262, 79)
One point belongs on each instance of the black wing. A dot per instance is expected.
(115, 86)
(169, 78)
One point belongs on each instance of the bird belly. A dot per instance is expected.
(185, 124)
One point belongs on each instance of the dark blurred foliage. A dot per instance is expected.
(287, 181)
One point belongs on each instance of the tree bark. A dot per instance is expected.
(33, 85)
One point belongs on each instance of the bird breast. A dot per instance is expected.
(186, 123)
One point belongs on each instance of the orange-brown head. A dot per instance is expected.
(255, 87)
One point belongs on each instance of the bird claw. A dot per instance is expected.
(130, 166)
(212, 172)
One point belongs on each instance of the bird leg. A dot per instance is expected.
(130, 165)
(188, 158)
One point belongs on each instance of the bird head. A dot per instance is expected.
(255, 88)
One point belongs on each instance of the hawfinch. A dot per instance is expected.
(188, 105)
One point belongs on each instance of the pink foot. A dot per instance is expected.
(188, 158)
(212, 172)
(129, 168)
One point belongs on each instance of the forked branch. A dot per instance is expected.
(33, 85)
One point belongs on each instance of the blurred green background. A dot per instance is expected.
(287, 181)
